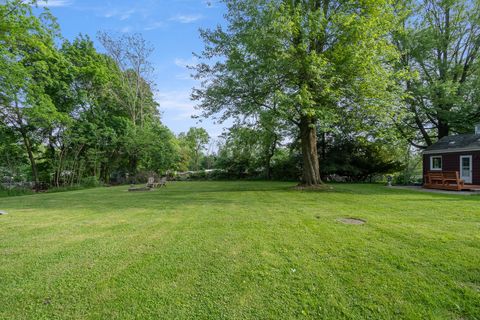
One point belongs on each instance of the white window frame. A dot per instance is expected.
(431, 163)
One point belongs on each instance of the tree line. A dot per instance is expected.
(316, 88)
(72, 115)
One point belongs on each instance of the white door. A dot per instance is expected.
(466, 168)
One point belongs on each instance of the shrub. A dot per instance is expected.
(11, 192)
(90, 182)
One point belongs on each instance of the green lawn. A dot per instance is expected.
(240, 250)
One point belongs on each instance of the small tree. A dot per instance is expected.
(195, 140)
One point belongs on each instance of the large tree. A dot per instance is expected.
(440, 43)
(301, 60)
(28, 65)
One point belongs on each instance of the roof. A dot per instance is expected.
(456, 143)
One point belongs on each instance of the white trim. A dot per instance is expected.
(450, 150)
(431, 163)
(471, 168)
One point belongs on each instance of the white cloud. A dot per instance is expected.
(154, 26)
(183, 76)
(186, 18)
(126, 29)
(54, 3)
(178, 102)
(185, 63)
(120, 14)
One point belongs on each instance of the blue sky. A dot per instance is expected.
(172, 28)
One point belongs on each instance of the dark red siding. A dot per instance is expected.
(451, 162)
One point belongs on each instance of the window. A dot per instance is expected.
(436, 163)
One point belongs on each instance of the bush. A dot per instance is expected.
(66, 188)
(223, 175)
(90, 182)
(405, 179)
(11, 192)
(287, 168)
(198, 175)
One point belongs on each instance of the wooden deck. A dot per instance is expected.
(472, 187)
(447, 180)
(466, 187)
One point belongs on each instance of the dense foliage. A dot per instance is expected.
(303, 61)
(73, 115)
(439, 43)
(317, 89)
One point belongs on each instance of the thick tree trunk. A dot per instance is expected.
(443, 129)
(308, 137)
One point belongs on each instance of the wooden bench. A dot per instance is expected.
(448, 180)
(435, 177)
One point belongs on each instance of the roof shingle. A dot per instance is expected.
(460, 141)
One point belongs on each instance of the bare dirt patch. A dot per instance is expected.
(351, 221)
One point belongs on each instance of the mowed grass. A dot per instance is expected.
(240, 250)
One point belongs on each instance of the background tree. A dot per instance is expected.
(240, 154)
(133, 88)
(66, 106)
(208, 161)
(357, 158)
(131, 53)
(195, 139)
(440, 43)
(12, 156)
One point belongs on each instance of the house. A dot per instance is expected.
(458, 154)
